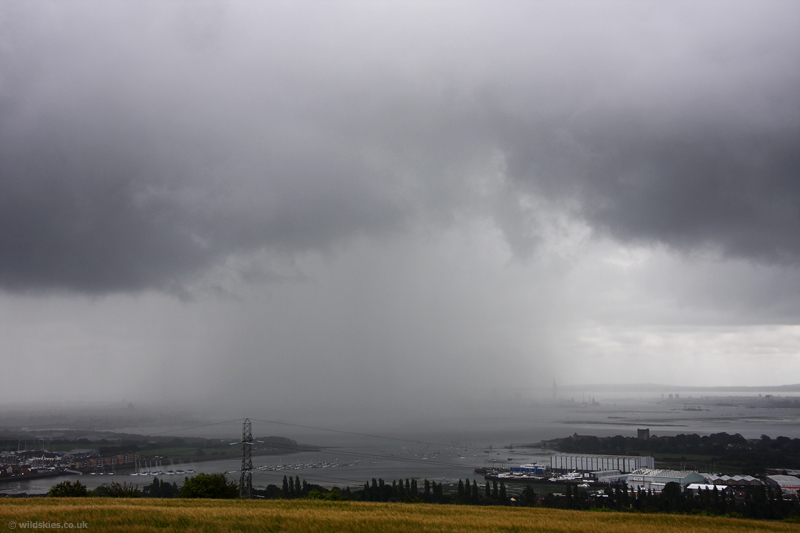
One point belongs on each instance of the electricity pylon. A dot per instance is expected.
(246, 477)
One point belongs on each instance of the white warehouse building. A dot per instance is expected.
(595, 463)
(656, 480)
(789, 485)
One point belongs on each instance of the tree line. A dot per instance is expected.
(758, 502)
(198, 486)
(378, 490)
(751, 456)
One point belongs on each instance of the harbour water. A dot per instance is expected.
(447, 450)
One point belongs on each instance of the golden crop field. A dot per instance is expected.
(144, 515)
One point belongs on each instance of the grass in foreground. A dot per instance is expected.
(144, 515)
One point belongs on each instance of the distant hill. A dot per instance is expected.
(658, 387)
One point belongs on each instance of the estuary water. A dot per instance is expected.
(447, 449)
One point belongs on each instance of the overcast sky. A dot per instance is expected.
(360, 203)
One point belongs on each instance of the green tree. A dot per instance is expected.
(214, 486)
(68, 489)
(160, 489)
(671, 497)
(116, 490)
(528, 496)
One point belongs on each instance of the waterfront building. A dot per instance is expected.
(593, 463)
(528, 469)
(655, 480)
(608, 477)
(696, 488)
(789, 485)
(732, 481)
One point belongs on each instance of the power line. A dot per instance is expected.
(339, 451)
(318, 428)
(357, 434)
(196, 427)
(312, 477)
(366, 455)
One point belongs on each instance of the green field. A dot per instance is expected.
(143, 515)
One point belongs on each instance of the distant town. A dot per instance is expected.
(675, 454)
(130, 454)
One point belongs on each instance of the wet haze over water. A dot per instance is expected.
(448, 449)
(452, 449)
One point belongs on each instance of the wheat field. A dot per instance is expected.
(144, 515)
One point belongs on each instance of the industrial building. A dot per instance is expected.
(608, 477)
(594, 463)
(655, 480)
(696, 488)
(528, 469)
(732, 481)
(789, 485)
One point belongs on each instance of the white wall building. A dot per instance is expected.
(732, 481)
(789, 485)
(655, 480)
(594, 463)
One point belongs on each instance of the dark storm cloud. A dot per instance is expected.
(125, 165)
(142, 145)
(105, 212)
(681, 129)
(697, 183)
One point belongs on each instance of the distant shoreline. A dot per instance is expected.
(658, 387)
(38, 475)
